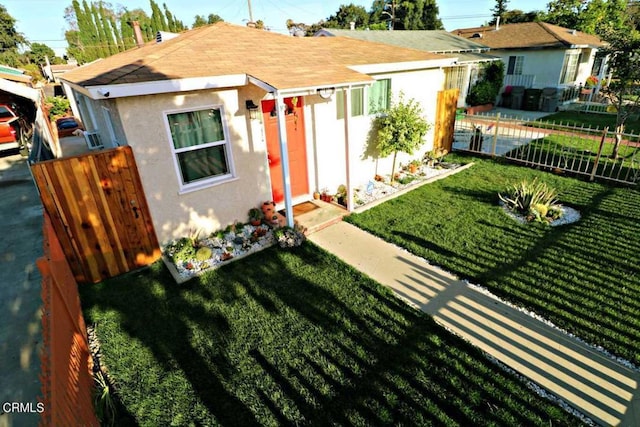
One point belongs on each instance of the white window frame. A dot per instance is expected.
(518, 65)
(570, 64)
(352, 112)
(86, 112)
(365, 108)
(205, 182)
(106, 112)
(389, 97)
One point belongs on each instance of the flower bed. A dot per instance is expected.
(382, 188)
(216, 249)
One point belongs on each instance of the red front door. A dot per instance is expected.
(296, 148)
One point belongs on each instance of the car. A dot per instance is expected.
(67, 126)
(8, 125)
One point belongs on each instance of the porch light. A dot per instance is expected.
(253, 109)
(326, 92)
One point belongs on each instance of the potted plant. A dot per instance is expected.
(268, 208)
(341, 195)
(255, 216)
(413, 166)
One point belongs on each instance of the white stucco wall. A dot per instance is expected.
(177, 214)
(329, 132)
(546, 64)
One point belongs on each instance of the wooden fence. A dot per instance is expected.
(67, 381)
(99, 211)
(576, 149)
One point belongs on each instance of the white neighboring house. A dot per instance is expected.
(468, 54)
(224, 117)
(540, 55)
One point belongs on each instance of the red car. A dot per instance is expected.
(8, 125)
(67, 125)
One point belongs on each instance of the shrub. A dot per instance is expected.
(183, 250)
(288, 237)
(534, 200)
(486, 89)
(481, 93)
(58, 106)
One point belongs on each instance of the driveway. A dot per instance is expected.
(20, 301)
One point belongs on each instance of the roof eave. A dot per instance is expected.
(403, 66)
(157, 87)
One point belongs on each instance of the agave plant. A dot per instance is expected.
(534, 200)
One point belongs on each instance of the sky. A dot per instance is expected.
(43, 21)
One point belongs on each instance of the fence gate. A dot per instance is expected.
(445, 119)
(99, 212)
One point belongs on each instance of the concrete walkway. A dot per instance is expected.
(20, 302)
(604, 390)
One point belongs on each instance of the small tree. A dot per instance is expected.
(400, 128)
(624, 89)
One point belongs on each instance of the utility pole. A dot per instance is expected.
(250, 14)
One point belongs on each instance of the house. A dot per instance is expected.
(540, 55)
(468, 54)
(14, 75)
(52, 72)
(224, 117)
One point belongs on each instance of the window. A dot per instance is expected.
(515, 65)
(199, 144)
(109, 122)
(379, 96)
(357, 101)
(570, 67)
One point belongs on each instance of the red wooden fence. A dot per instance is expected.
(66, 363)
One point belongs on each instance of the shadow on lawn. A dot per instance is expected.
(298, 337)
(573, 275)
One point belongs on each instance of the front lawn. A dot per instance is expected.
(584, 277)
(293, 338)
(593, 120)
(578, 154)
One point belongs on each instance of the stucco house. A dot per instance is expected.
(467, 54)
(540, 55)
(224, 117)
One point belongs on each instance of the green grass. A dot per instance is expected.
(579, 155)
(600, 121)
(584, 277)
(294, 337)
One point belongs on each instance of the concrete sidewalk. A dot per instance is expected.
(20, 301)
(594, 384)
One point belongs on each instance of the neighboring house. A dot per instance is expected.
(224, 117)
(53, 72)
(14, 75)
(468, 54)
(540, 55)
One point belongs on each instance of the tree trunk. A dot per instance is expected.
(393, 167)
(617, 141)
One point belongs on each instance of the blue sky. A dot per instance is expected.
(43, 20)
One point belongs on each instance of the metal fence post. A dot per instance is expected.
(595, 163)
(495, 135)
